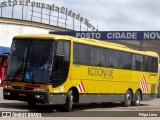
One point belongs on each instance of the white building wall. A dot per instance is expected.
(8, 31)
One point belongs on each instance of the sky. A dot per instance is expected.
(115, 15)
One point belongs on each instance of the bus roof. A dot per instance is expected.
(43, 36)
(88, 41)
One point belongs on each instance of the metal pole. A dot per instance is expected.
(41, 15)
(49, 17)
(12, 10)
(1, 11)
(58, 18)
(32, 13)
(73, 23)
(80, 26)
(66, 21)
(22, 11)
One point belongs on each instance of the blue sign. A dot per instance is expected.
(113, 35)
(28, 75)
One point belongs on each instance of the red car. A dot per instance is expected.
(2, 69)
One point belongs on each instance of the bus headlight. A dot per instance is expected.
(8, 86)
(41, 89)
(39, 97)
(7, 93)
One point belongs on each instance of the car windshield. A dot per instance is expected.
(31, 60)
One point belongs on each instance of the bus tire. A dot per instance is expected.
(69, 101)
(137, 98)
(127, 99)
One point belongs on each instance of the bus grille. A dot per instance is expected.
(17, 87)
(28, 88)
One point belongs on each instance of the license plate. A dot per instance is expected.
(22, 94)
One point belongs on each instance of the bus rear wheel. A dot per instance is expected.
(137, 99)
(127, 99)
(69, 101)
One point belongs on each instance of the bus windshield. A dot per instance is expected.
(31, 61)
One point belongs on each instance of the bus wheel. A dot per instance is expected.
(137, 98)
(128, 99)
(31, 104)
(69, 101)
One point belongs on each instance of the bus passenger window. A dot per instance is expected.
(147, 63)
(137, 62)
(154, 66)
(114, 59)
(125, 60)
(101, 57)
(94, 56)
(108, 57)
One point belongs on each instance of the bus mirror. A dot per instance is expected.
(4, 59)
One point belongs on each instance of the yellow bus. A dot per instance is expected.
(54, 69)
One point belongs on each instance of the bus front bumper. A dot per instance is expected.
(33, 96)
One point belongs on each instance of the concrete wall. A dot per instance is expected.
(8, 31)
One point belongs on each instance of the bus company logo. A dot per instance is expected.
(143, 84)
(81, 87)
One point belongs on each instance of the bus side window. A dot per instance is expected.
(147, 63)
(101, 57)
(137, 62)
(154, 66)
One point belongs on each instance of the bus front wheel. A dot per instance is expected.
(69, 101)
(127, 99)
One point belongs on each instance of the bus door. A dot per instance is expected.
(61, 63)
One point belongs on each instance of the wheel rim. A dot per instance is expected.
(138, 99)
(128, 99)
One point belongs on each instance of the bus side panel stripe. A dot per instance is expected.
(83, 87)
(143, 84)
(80, 87)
